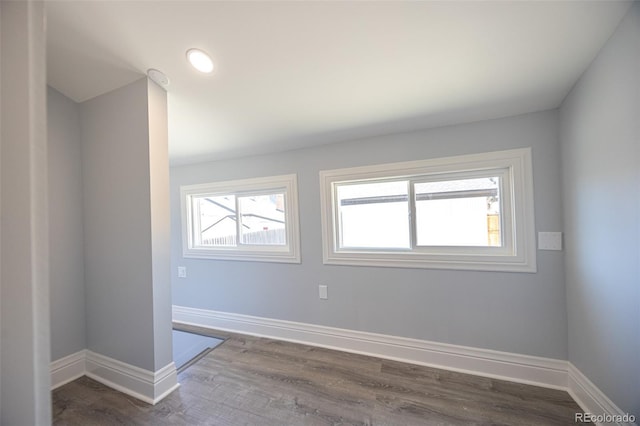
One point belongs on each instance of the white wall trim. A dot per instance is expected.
(165, 381)
(142, 384)
(152, 387)
(546, 372)
(590, 398)
(68, 368)
(145, 385)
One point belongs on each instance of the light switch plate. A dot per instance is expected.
(549, 240)
(323, 292)
(182, 272)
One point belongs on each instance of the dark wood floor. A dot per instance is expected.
(254, 381)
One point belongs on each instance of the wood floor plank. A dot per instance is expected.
(255, 381)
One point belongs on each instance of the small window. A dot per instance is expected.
(468, 212)
(251, 219)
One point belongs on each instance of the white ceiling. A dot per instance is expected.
(294, 74)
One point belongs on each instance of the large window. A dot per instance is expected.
(251, 219)
(468, 212)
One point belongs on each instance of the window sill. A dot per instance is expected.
(419, 261)
(246, 256)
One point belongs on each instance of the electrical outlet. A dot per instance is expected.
(323, 291)
(182, 272)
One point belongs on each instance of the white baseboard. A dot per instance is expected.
(68, 368)
(145, 385)
(591, 399)
(142, 384)
(546, 372)
(152, 387)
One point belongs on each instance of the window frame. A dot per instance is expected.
(287, 184)
(518, 253)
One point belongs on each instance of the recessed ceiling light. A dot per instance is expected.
(200, 60)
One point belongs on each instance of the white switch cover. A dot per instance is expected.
(323, 291)
(182, 272)
(549, 240)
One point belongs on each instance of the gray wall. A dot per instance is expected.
(24, 285)
(514, 312)
(118, 247)
(65, 226)
(601, 167)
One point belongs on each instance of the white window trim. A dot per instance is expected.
(520, 258)
(283, 254)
